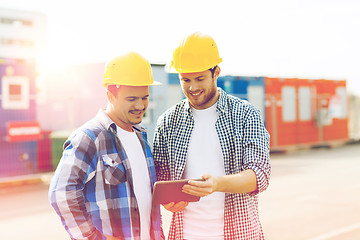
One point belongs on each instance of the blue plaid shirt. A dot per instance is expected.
(92, 189)
(244, 143)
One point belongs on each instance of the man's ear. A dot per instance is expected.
(217, 72)
(109, 95)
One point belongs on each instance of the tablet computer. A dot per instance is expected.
(171, 191)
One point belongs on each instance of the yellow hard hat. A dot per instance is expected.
(198, 52)
(129, 69)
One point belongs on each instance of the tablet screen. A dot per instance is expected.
(171, 191)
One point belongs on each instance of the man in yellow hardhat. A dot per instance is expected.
(103, 184)
(216, 137)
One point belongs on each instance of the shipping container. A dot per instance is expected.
(19, 130)
(297, 112)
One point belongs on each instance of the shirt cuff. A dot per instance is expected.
(262, 181)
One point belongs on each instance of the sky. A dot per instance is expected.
(275, 38)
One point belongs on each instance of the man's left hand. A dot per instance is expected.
(201, 188)
(175, 207)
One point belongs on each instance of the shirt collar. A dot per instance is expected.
(222, 105)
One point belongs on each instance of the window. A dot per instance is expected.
(15, 92)
(257, 97)
(341, 91)
(16, 22)
(304, 104)
(338, 104)
(16, 42)
(288, 95)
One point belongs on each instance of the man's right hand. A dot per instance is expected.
(175, 207)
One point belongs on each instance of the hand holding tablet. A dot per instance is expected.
(171, 191)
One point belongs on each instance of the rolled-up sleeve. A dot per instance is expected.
(256, 149)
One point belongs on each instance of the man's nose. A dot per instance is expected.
(139, 105)
(193, 87)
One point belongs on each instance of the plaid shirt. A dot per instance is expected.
(92, 189)
(245, 145)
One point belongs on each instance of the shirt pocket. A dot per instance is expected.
(114, 172)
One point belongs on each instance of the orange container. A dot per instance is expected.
(305, 112)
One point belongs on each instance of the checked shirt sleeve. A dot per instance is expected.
(256, 149)
(160, 153)
(66, 188)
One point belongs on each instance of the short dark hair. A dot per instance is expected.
(212, 70)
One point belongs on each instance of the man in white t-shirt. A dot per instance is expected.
(102, 187)
(219, 138)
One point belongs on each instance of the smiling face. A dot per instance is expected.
(200, 88)
(127, 105)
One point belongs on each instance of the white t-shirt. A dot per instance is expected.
(205, 219)
(141, 178)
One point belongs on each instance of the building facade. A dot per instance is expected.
(21, 43)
